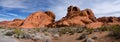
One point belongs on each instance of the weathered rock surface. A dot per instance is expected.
(38, 19)
(4, 23)
(94, 25)
(109, 20)
(15, 23)
(17, 19)
(76, 17)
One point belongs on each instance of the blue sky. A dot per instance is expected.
(10, 9)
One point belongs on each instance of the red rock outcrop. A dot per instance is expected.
(17, 19)
(76, 17)
(110, 20)
(14, 23)
(94, 25)
(4, 23)
(38, 19)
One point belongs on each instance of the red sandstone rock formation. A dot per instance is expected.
(4, 23)
(14, 23)
(17, 19)
(76, 17)
(94, 25)
(109, 20)
(38, 19)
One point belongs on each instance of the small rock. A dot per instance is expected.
(82, 36)
(89, 40)
(26, 36)
(56, 36)
(9, 33)
(94, 36)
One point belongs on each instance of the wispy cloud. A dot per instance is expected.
(4, 15)
(3, 19)
(12, 14)
(12, 3)
(6, 19)
(9, 16)
(107, 8)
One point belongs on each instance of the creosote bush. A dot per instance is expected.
(18, 31)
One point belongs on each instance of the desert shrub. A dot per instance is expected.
(115, 31)
(66, 30)
(1, 27)
(18, 31)
(63, 30)
(53, 30)
(103, 28)
(115, 28)
(37, 29)
(9, 33)
(43, 29)
(90, 30)
(80, 30)
(71, 30)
